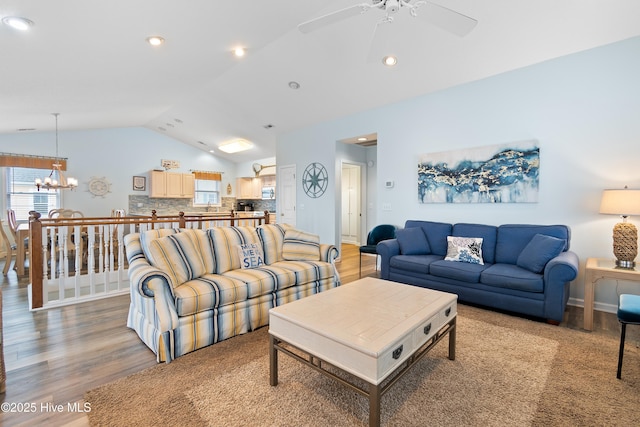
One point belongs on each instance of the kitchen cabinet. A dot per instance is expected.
(171, 185)
(249, 188)
(269, 181)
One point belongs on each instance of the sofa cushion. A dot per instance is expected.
(463, 271)
(436, 233)
(308, 271)
(539, 251)
(413, 263)
(251, 255)
(179, 255)
(300, 245)
(512, 238)
(225, 242)
(511, 276)
(412, 241)
(272, 236)
(489, 234)
(464, 249)
(263, 280)
(208, 292)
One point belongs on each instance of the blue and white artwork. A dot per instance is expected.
(492, 174)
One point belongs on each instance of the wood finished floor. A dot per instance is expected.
(54, 356)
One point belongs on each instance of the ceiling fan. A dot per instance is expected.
(445, 18)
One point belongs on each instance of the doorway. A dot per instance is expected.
(286, 199)
(351, 193)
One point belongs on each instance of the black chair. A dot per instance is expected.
(375, 236)
(628, 314)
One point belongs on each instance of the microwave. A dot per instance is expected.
(268, 193)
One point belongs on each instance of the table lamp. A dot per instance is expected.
(625, 235)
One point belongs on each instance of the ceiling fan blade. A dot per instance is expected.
(333, 17)
(447, 19)
(381, 42)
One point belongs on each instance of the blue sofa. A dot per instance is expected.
(519, 268)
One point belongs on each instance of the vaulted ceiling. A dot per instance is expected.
(89, 61)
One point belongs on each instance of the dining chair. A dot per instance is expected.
(9, 248)
(375, 236)
(628, 314)
(12, 222)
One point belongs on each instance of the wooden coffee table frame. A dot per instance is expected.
(374, 391)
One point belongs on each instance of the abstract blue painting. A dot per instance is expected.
(505, 173)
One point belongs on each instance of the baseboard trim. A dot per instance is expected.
(598, 306)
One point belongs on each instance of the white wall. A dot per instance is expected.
(584, 109)
(116, 154)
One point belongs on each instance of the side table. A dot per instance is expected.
(602, 268)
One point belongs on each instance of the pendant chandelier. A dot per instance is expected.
(62, 182)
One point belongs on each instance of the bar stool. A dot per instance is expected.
(628, 314)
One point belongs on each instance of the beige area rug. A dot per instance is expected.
(508, 371)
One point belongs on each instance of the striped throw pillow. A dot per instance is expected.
(179, 255)
(300, 246)
(150, 235)
(272, 236)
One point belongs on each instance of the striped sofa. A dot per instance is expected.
(192, 288)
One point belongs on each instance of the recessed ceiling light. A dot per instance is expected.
(22, 24)
(155, 40)
(362, 138)
(235, 146)
(294, 85)
(239, 52)
(389, 60)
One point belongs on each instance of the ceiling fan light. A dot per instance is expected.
(389, 60)
(235, 146)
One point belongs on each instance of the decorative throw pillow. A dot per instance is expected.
(272, 236)
(300, 246)
(539, 251)
(464, 249)
(148, 236)
(225, 242)
(413, 241)
(251, 255)
(178, 255)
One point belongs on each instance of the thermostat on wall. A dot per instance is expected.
(388, 184)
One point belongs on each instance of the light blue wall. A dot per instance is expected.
(584, 109)
(116, 154)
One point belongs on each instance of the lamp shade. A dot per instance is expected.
(620, 202)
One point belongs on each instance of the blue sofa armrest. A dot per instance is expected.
(386, 249)
(557, 274)
(562, 268)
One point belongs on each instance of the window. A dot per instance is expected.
(23, 196)
(207, 192)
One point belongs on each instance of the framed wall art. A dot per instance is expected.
(505, 173)
(139, 183)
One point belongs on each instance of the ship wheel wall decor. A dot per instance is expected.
(315, 180)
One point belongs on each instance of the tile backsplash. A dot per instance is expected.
(143, 205)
